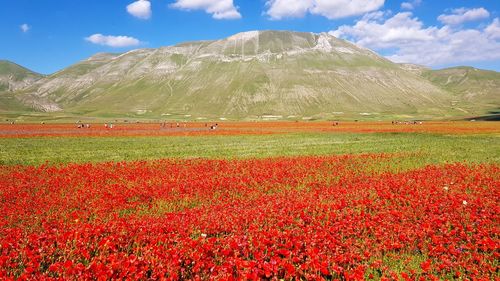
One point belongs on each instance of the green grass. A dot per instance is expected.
(17, 71)
(473, 89)
(418, 149)
(9, 103)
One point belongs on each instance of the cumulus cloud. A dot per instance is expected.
(461, 15)
(220, 9)
(395, 31)
(140, 9)
(113, 41)
(493, 30)
(279, 9)
(331, 9)
(406, 39)
(25, 27)
(411, 4)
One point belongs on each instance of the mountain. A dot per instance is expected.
(414, 68)
(248, 75)
(14, 77)
(472, 88)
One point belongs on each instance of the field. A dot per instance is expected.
(256, 200)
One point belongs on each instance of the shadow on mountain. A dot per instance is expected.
(494, 115)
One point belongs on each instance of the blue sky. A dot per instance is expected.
(49, 35)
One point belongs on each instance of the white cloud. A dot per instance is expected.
(406, 39)
(140, 9)
(411, 5)
(220, 9)
(493, 30)
(113, 41)
(461, 15)
(396, 30)
(378, 15)
(25, 27)
(407, 6)
(279, 9)
(331, 9)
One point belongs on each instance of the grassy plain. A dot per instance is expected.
(419, 148)
(388, 214)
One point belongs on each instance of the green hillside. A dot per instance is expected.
(18, 72)
(12, 78)
(474, 90)
(248, 75)
(258, 75)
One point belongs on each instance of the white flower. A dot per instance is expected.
(203, 235)
(464, 202)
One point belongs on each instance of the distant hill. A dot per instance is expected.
(474, 90)
(253, 75)
(14, 77)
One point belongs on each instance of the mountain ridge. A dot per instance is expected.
(246, 75)
(12, 78)
(471, 88)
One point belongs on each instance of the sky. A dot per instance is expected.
(49, 35)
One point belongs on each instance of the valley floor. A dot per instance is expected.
(270, 200)
(430, 142)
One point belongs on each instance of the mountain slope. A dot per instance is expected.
(472, 88)
(14, 77)
(246, 75)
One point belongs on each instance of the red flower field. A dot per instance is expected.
(308, 218)
(240, 128)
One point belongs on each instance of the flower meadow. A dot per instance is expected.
(226, 128)
(293, 218)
